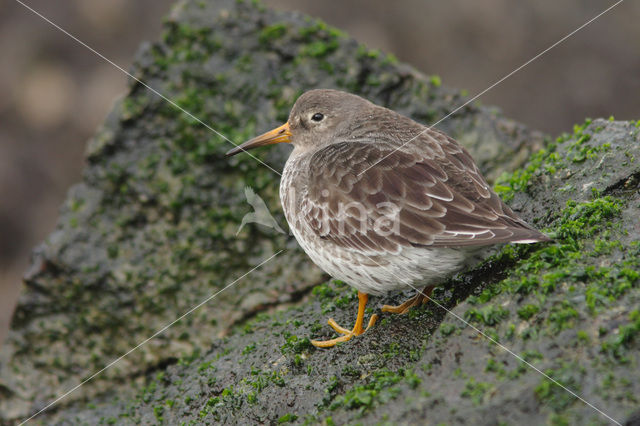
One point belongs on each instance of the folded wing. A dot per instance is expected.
(428, 193)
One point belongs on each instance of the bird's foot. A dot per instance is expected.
(419, 299)
(346, 333)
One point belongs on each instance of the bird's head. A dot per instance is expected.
(318, 118)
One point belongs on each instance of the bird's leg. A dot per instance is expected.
(348, 334)
(419, 299)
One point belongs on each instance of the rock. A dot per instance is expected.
(150, 233)
(567, 309)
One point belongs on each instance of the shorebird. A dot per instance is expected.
(382, 202)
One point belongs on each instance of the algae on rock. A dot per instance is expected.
(568, 308)
(150, 233)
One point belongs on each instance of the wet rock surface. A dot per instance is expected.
(568, 309)
(151, 232)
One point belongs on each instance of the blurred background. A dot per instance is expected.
(54, 93)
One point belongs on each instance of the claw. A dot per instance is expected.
(419, 299)
(346, 333)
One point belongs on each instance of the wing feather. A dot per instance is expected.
(429, 194)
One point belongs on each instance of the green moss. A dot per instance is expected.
(617, 345)
(249, 348)
(543, 161)
(494, 366)
(133, 107)
(554, 264)
(531, 355)
(487, 315)
(556, 419)
(320, 48)
(527, 311)
(412, 379)
(378, 389)
(562, 317)
(157, 411)
(577, 148)
(581, 150)
(347, 299)
(277, 379)
(77, 204)
(287, 418)
(583, 336)
(390, 58)
(335, 294)
(318, 27)
(273, 32)
(188, 44)
(476, 391)
(391, 350)
(260, 382)
(365, 52)
(295, 345)
(323, 291)
(553, 395)
(320, 40)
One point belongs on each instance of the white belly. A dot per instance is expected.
(371, 274)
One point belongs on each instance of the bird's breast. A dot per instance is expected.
(293, 187)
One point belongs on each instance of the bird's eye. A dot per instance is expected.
(317, 117)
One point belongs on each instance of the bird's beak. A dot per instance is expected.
(278, 135)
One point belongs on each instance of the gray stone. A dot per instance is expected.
(150, 232)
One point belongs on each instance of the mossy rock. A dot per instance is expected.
(568, 309)
(151, 233)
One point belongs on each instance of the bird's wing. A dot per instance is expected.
(431, 194)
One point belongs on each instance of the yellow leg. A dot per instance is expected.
(419, 299)
(348, 334)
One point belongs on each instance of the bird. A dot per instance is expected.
(382, 202)
(260, 212)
